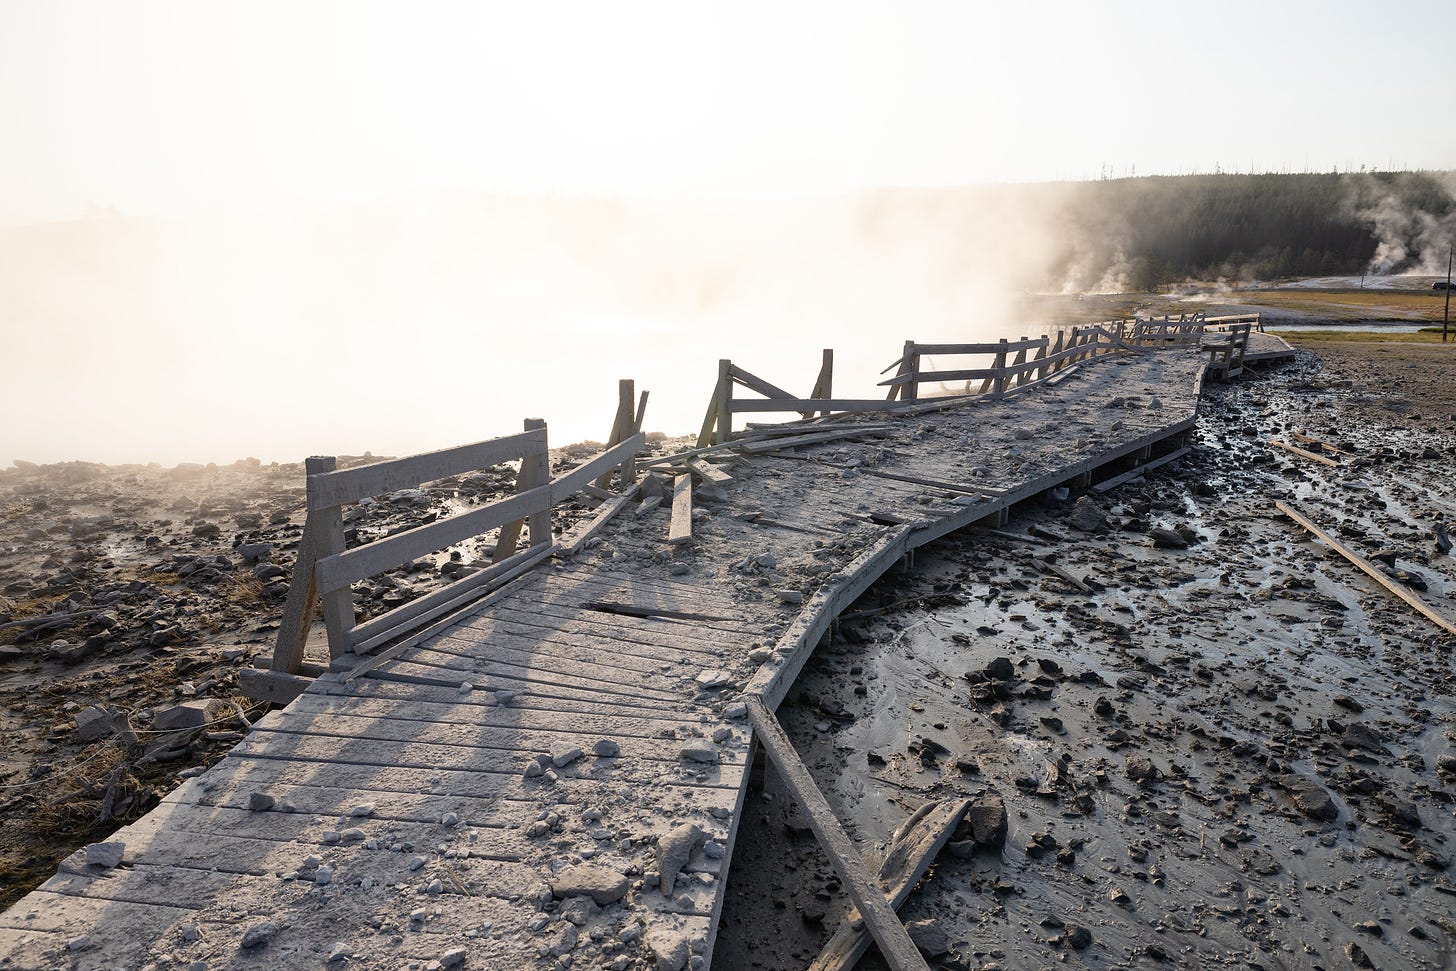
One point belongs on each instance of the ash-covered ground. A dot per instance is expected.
(129, 598)
(1195, 738)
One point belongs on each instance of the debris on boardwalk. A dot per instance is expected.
(581, 800)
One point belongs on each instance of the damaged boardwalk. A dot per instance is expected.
(551, 774)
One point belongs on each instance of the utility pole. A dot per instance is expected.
(1446, 318)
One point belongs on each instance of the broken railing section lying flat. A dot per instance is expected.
(325, 569)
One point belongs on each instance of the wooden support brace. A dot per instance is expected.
(1369, 569)
(884, 925)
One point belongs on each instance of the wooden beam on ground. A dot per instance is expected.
(884, 925)
(1369, 568)
(568, 545)
(681, 528)
(275, 687)
(915, 847)
(1107, 485)
(1322, 459)
(1324, 446)
(709, 473)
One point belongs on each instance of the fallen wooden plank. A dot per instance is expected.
(914, 849)
(709, 473)
(1369, 568)
(569, 545)
(1304, 453)
(813, 438)
(1311, 440)
(680, 530)
(1108, 484)
(884, 925)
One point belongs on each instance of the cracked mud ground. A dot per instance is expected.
(1231, 749)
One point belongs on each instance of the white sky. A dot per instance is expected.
(162, 107)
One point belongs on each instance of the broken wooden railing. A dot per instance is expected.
(1014, 364)
(1229, 321)
(1184, 329)
(325, 569)
(718, 422)
(1226, 351)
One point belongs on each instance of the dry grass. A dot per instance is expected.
(1352, 304)
(1426, 335)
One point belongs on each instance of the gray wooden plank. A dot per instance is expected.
(382, 754)
(529, 699)
(503, 737)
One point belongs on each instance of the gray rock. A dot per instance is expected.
(1142, 770)
(453, 958)
(606, 748)
(736, 710)
(713, 678)
(92, 722)
(259, 934)
(260, 802)
(189, 714)
(107, 855)
(673, 852)
(670, 949)
(562, 759)
(699, 752)
(602, 885)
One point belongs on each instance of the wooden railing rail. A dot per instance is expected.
(324, 569)
(718, 422)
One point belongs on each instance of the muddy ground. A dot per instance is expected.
(1231, 749)
(129, 598)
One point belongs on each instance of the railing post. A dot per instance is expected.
(621, 426)
(723, 402)
(1019, 378)
(338, 605)
(302, 599)
(824, 386)
(1000, 366)
(535, 471)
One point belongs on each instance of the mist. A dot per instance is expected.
(429, 320)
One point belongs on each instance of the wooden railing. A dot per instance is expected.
(1013, 365)
(325, 569)
(718, 422)
(1226, 350)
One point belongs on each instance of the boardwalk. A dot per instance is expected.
(518, 790)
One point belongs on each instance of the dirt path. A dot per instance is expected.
(1237, 753)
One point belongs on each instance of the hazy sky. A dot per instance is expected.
(315, 258)
(158, 107)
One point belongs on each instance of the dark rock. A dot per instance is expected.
(1142, 771)
(1310, 797)
(1167, 539)
(1001, 669)
(929, 936)
(987, 817)
(1088, 516)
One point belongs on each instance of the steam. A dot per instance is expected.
(428, 321)
(1410, 237)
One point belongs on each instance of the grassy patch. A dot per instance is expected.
(1352, 304)
(1426, 335)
